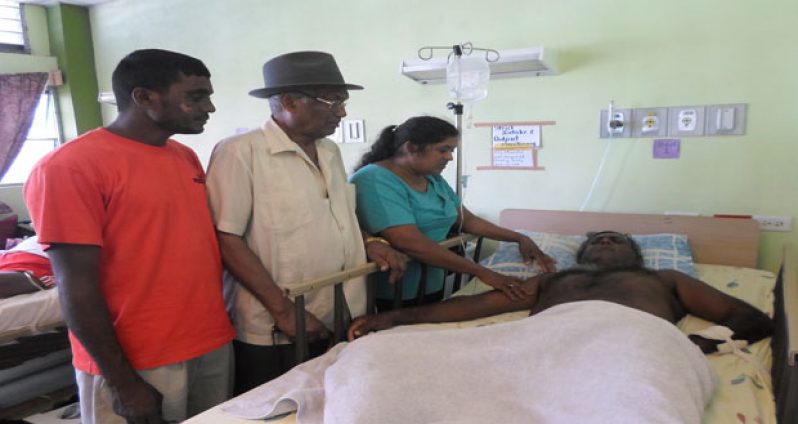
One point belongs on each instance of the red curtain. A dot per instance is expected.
(19, 94)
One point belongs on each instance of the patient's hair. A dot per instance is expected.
(590, 236)
(419, 131)
(153, 69)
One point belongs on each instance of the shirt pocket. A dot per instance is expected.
(289, 209)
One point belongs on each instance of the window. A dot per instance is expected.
(43, 138)
(12, 28)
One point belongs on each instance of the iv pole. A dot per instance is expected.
(456, 107)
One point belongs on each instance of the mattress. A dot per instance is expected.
(742, 393)
(30, 313)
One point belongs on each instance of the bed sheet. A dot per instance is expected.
(29, 313)
(741, 396)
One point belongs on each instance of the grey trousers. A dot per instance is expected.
(188, 388)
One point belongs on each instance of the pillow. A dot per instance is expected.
(660, 251)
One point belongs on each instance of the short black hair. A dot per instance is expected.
(590, 236)
(153, 69)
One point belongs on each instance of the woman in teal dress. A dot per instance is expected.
(402, 197)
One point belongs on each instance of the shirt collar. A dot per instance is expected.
(279, 140)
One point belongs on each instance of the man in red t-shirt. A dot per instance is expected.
(123, 213)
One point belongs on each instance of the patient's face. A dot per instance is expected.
(609, 249)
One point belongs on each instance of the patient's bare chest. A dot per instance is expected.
(640, 290)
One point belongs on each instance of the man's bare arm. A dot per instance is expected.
(704, 301)
(86, 313)
(458, 308)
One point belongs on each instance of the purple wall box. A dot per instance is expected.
(667, 148)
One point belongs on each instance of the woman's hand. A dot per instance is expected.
(530, 252)
(370, 323)
(510, 286)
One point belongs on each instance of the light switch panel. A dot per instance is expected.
(726, 119)
(354, 131)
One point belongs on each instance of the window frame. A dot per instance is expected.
(16, 48)
(59, 135)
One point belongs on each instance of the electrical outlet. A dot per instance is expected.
(619, 116)
(774, 223)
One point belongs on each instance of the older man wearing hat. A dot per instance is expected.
(285, 213)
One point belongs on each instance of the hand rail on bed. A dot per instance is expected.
(337, 280)
(790, 287)
(785, 339)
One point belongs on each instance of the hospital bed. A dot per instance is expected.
(35, 359)
(725, 251)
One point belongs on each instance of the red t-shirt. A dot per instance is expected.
(160, 270)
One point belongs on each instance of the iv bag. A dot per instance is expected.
(467, 78)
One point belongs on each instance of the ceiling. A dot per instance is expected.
(86, 3)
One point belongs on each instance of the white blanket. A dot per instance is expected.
(582, 362)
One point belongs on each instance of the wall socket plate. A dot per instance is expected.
(650, 122)
(627, 121)
(774, 223)
(726, 119)
(691, 119)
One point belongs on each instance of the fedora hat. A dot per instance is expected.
(295, 70)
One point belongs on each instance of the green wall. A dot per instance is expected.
(640, 54)
(70, 38)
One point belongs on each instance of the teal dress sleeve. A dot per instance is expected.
(385, 201)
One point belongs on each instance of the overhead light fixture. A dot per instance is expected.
(512, 63)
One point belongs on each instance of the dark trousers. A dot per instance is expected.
(257, 364)
(387, 304)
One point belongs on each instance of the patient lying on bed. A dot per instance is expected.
(598, 347)
(610, 268)
(25, 269)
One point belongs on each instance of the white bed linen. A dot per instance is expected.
(29, 313)
(587, 362)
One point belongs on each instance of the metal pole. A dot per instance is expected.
(301, 340)
(457, 108)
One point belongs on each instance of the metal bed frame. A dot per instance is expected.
(341, 315)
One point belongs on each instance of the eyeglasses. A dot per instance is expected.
(335, 105)
(332, 104)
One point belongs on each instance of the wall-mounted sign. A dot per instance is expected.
(514, 145)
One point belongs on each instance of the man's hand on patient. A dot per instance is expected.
(387, 258)
(370, 323)
(286, 322)
(530, 252)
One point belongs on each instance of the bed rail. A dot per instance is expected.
(785, 339)
(341, 314)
